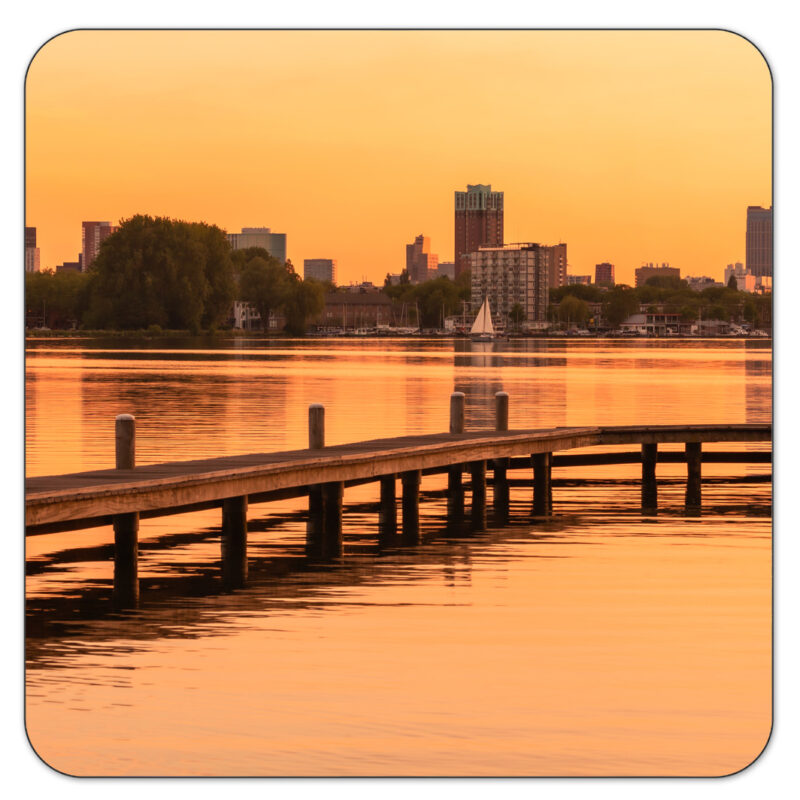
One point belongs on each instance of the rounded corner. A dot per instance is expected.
(41, 758)
(760, 752)
(755, 47)
(44, 44)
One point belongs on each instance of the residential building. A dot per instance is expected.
(320, 269)
(245, 317)
(420, 262)
(273, 243)
(758, 241)
(478, 222)
(446, 269)
(604, 273)
(361, 309)
(583, 279)
(70, 266)
(647, 271)
(93, 234)
(737, 270)
(556, 258)
(697, 284)
(32, 258)
(508, 275)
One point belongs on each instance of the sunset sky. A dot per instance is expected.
(630, 146)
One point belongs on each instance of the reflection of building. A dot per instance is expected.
(420, 262)
(758, 241)
(604, 273)
(509, 275)
(31, 251)
(273, 243)
(647, 271)
(479, 221)
(93, 234)
(320, 269)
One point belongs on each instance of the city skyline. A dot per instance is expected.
(667, 182)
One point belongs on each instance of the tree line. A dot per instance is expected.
(156, 272)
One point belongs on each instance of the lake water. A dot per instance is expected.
(601, 642)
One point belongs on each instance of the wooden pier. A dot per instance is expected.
(124, 495)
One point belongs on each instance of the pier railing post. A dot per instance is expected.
(315, 525)
(234, 542)
(126, 526)
(411, 481)
(542, 486)
(694, 459)
(455, 489)
(649, 485)
(500, 493)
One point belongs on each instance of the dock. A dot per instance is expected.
(126, 494)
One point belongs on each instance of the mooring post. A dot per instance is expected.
(500, 465)
(387, 525)
(315, 525)
(694, 459)
(478, 476)
(542, 485)
(649, 486)
(126, 526)
(411, 481)
(234, 542)
(455, 489)
(332, 494)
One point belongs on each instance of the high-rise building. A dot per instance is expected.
(478, 222)
(509, 275)
(320, 269)
(604, 273)
(446, 269)
(420, 262)
(93, 234)
(31, 251)
(758, 241)
(556, 258)
(273, 243)
(647, 271)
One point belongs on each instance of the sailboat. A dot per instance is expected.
(482, 328)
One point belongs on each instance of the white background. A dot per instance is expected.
(768, 24)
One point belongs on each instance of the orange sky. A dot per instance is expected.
(629, 146)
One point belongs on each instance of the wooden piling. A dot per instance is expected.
(542, 485)
(126, 526)
(455, 488)
(694, 460)
(457, 412)
(332, 494)
(478, 513)
(387, 525)
(315, 524)
(411, 481)
(500, 494)
(649, 485)
(234, 542)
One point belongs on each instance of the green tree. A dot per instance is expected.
(57, 298)
(265, 284)
(573, 310)
(619, 303)
(732, 284)
(517, 315)
(304, 301)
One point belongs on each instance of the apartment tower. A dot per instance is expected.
(758, 241)
(478, 222)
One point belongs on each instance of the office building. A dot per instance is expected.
(273, 243)
(508, 275)
(320, 269)
(446, 269)
(758, 241)
(647, 271)
(31, 251)
(93, 234)
(420, 262)
(604, 273)
(478, 222)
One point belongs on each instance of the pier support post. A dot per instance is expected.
(332, 494)
(500, 494)
(478, 474)
(411, 481)
(455, 489)
(542, 486)
(694, 458)
(315, 525)
(387, 524)
(234, 542)
(457, 412)
(649, 486)
(126, 526)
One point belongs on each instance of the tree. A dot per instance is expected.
(517, 314)
(571, 309)
(265, 284)
(619, 303)
(159, 271)
(304, 300)
(732, 284)
(58, 299)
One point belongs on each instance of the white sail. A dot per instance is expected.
(483, 322)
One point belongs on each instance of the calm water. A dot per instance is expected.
(599, 643)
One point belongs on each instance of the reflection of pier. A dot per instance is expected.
(123, 495)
